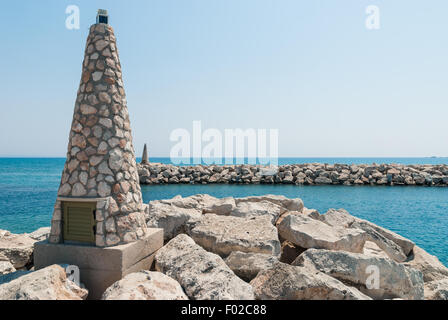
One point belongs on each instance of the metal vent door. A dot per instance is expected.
(79, 222)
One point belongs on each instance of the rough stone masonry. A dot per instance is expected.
(100, 157)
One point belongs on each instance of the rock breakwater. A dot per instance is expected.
(258, 247)
(299, 174)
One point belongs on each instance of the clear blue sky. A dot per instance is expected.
(308, 68)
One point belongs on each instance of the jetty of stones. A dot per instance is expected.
(299, 174)
(259, 247)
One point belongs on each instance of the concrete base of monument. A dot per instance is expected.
(101, 267)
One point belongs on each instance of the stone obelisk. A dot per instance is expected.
(98, 220)
(145, 159)
(100, 157)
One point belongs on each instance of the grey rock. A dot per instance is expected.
(40, 234)
(394, 280)
(17, 248)
(396, 246)
(285, 282)
(6, 267)
(437, 290)
(310, 233)
(224, 234)
(289, 204)
(248, 265)
(145, 285)
(220, 206)
(202, 275)
(172, 216)
(50, 283)
(428, 264)
(257, 209)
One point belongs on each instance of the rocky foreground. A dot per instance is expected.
(299, 174)
(266, 247)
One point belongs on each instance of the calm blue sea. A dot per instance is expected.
(28, 190)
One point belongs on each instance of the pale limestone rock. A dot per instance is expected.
(110, 225)
(17, 248)
(172, 216)
(224, 234)
(220, 206)
(106, 122)
(104, 97)
(145, 285)
(203, 275)
(248, 265)
(116, 159)
(395, 280)
(428, 264)
(103, 168)
(112, 239)
(257, 209)
(83, 177)
(65, 190)
(86, 109)
(101, 44)
(198, 201)
(6, 267)
(96, 76)
(396, 246)
(312, 213)
(285, 282)
(322, 180)
(289, 204)
(78, 190)
(50, 283)
(372, 250)
(95, 160)
(103, 189)
(40, 234)
(309, 233)
(436, 290)
(113, 142)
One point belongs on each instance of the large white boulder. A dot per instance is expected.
(285, 282)
(428, 264)
(437, 290)
(222, 206)
(372, 250)
(17, 248)
(394, 280)
(257, 209)
(224, 234)
(288, 204)
(145, 285)
(248, 265)
(395, 246)
(172, 215)
(203, 275)
(6, 267)
(310, 233)
(40, 234)
(50, 283)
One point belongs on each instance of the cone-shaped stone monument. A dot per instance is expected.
(99, 202)
(145, 159)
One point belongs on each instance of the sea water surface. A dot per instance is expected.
(28, 189)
